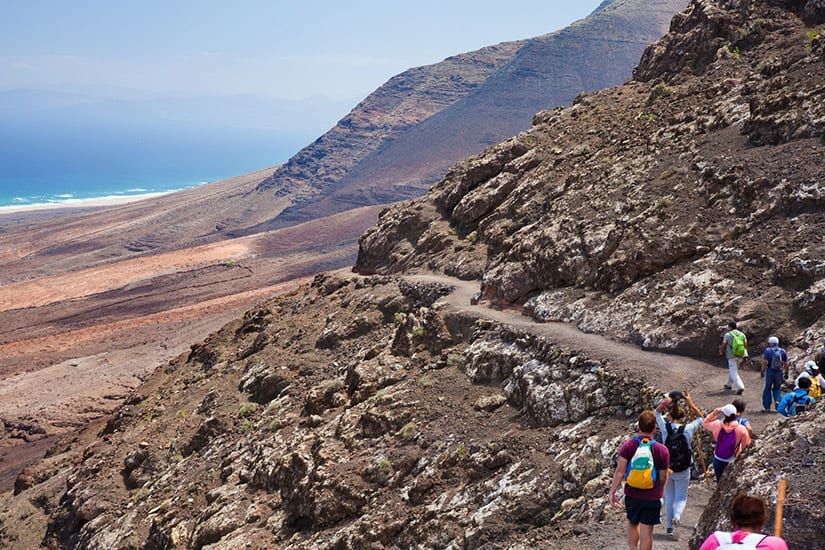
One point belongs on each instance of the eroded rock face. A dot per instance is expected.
(657, 211)
(404, 136)
(439, 442)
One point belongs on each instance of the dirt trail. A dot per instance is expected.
(703, 379)
(667, 372)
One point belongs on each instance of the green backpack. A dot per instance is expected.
(737, 343)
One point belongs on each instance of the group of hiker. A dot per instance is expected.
(775, 370)
(655, 471)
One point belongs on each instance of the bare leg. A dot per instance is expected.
(633, 535)
(645, 537)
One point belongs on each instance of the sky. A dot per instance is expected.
(295, 50)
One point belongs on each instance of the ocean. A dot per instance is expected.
(45, 168)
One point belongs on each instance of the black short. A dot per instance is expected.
(643, 510)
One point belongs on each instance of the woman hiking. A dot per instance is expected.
(730, 437)
(681, 454)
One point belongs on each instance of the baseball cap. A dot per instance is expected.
(729, 410)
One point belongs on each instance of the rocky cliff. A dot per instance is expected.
(655, 211)
(385, 411)
(402, 138)
(107, 294)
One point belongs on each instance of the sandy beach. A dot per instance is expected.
(80, 203)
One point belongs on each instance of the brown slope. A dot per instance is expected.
(654, 211)
(462, 105)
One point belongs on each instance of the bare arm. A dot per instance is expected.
(618, 475)
(697, 412)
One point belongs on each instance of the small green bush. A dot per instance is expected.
(247, 409)
(408, 431)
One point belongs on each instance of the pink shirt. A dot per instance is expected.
(743, 437)
(768, 543)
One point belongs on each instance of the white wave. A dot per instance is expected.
(108, 200)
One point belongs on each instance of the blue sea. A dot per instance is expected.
(40, 167)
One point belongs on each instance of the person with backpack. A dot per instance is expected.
(747, 517)
(677, 436)
(811, 371)
(643, 463)
(819, 357)
(730, 437)
(735, 348)
(774, 363)
(796, 401)
(739, 403)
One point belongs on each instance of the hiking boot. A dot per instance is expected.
(740, 392)
(674, 533)
(727, 387)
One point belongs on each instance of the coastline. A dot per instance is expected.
(114, 200)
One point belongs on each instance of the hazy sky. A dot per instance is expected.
(289, 50)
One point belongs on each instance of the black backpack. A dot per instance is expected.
(677, 444)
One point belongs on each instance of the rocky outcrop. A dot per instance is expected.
(375, 443)
(656, 211)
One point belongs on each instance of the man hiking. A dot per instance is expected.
(735, 348)
(644, 462)
(774, 364)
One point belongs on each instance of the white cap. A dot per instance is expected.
(728, 410)
(773, 340)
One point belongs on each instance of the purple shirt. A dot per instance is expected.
(661, 461)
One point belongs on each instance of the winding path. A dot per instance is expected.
(668, 372)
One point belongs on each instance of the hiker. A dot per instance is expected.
(739, 403)
(644, 462)
(735, 348)
(811, 371)
(730, 437)
(796, 401)
(774, 363)
(819, 357)
(747, 517)
(677, 437)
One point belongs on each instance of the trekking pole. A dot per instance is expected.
(702, 457)
(780, 504)
(701, 454)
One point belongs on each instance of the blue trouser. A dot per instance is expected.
(773, 387)
(718, 467)
(676, 491)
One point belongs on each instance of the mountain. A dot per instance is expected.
(107, 294)
(432, 400)
(402, 138)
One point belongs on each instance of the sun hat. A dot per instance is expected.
(729, 410)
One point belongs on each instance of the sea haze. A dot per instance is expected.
(57, 148)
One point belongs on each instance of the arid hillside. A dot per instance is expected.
(92, 300)
(655, 211)
(415, 405)
(402, 138)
